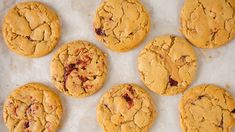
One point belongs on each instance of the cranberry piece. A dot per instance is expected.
(26, 125)
(172, 82)
(128, 99)
(83, 79)
(67, 71)
(233, 111)
(100, 32)
(132, 91)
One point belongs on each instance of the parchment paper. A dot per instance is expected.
(215, 66)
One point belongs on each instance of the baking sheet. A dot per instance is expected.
(215, 66)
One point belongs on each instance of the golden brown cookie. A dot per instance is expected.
(208, 23)
(31, 29)
(32, 107)
(126, 108)
(78, 69)
(167, 65)
(207, 108)
(121, 24)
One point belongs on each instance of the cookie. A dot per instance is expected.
(31, 29)
(78, 69)
(125, 108)
(121, 24)
(167, 65)
(32, 107)
(207, 108)
(208, 23)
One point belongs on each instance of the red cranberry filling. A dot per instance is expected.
(128, 99)
(172, 82)
(100, 32)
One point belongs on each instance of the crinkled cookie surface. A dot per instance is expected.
(78, 69)
(208, 23)
(125, 108)
(167, 65)
(207, 108)
(121, 24)
(31, 29)
(32, 107)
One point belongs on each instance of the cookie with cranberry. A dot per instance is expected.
(207, 108)
(78, 69)
(167, 65)
(32, 107)
(126, 108)
(31, 29)
(208, 23)
(121, 24)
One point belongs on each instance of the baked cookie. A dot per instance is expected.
(126, 108)
(207, 108)
(32, 107)
(121, 24)
(208, 23)
(167, 65)
(31, 29)
(78, 69)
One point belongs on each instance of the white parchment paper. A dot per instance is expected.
(215, 66)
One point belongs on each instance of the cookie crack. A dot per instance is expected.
(115, 94)
(119, 36)
(204, 95)
(19, 13)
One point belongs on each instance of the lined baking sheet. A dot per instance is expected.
(215, 66)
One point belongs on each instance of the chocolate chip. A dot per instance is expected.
(172, 82)
(100, 32)
(26, 125)
(128, 99)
